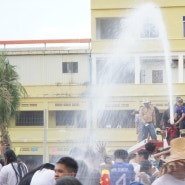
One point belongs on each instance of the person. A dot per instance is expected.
(165, 120)
(132, 160)
(142, 155)
(171, 130)
(31, 164)
(66, 166)
(83, 172)
(148, 118)
(151, 148)
(68, 180)
(122, 172)
(26, 180)
(1, 163)
(92, 159)
(45, 175)
(173, 171)
(179, 116)
(160, 155)
(138, 125)
(13, 171)
(107, 164)
(145, 175)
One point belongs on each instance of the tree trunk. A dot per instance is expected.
(5, 139)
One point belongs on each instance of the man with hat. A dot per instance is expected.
(148, 118)
(173, 171)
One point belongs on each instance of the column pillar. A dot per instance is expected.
(137, 70)
(180, 68)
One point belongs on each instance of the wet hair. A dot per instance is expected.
(21, 168)
(10, 156)
(144, 153)
(120, 154)
(145, 166)
(27, 178)
(68, 180)
(150, 147)
(2, 161)
(70, 163)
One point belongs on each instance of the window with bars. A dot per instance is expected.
(115, 119)
(30, 118)
(71, 118)
(70, 67)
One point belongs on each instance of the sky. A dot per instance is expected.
(44, 19)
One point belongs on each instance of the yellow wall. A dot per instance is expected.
(172, 12)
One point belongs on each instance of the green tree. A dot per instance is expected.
(11, 92)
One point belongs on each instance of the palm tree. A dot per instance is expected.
(11, 92)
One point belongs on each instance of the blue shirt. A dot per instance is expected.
(179, 111)
(121, 173)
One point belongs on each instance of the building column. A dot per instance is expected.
(137, 70)
(180, 68)
(93, 70)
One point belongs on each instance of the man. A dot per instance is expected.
(66, 166)
(148, 118)
(179, 116)
(142, 155)
(172, 131)
(173, 172)
(122, 172)
(138, 125)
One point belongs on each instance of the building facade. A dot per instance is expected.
(82, 95)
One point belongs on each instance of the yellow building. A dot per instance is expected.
(81, 95)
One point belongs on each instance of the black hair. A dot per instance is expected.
(20, 170)
(68, 180)
(150, 147)
(2, 161)
(144, 153)
(120, 154)
(10, 156)
(70, 163)
(27, 178)
(131, 156)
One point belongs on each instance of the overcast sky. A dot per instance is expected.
(44, 19)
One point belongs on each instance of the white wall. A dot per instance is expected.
(47, 69)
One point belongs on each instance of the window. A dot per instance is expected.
(71, 118)
(184, 26)
(108, 28)
(115, 119)
(149, 30)
(157, 76)
(30, 118)
(116, 71)
(70, 67)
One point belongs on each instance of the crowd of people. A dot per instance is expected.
(146, 166)
(171, 123)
